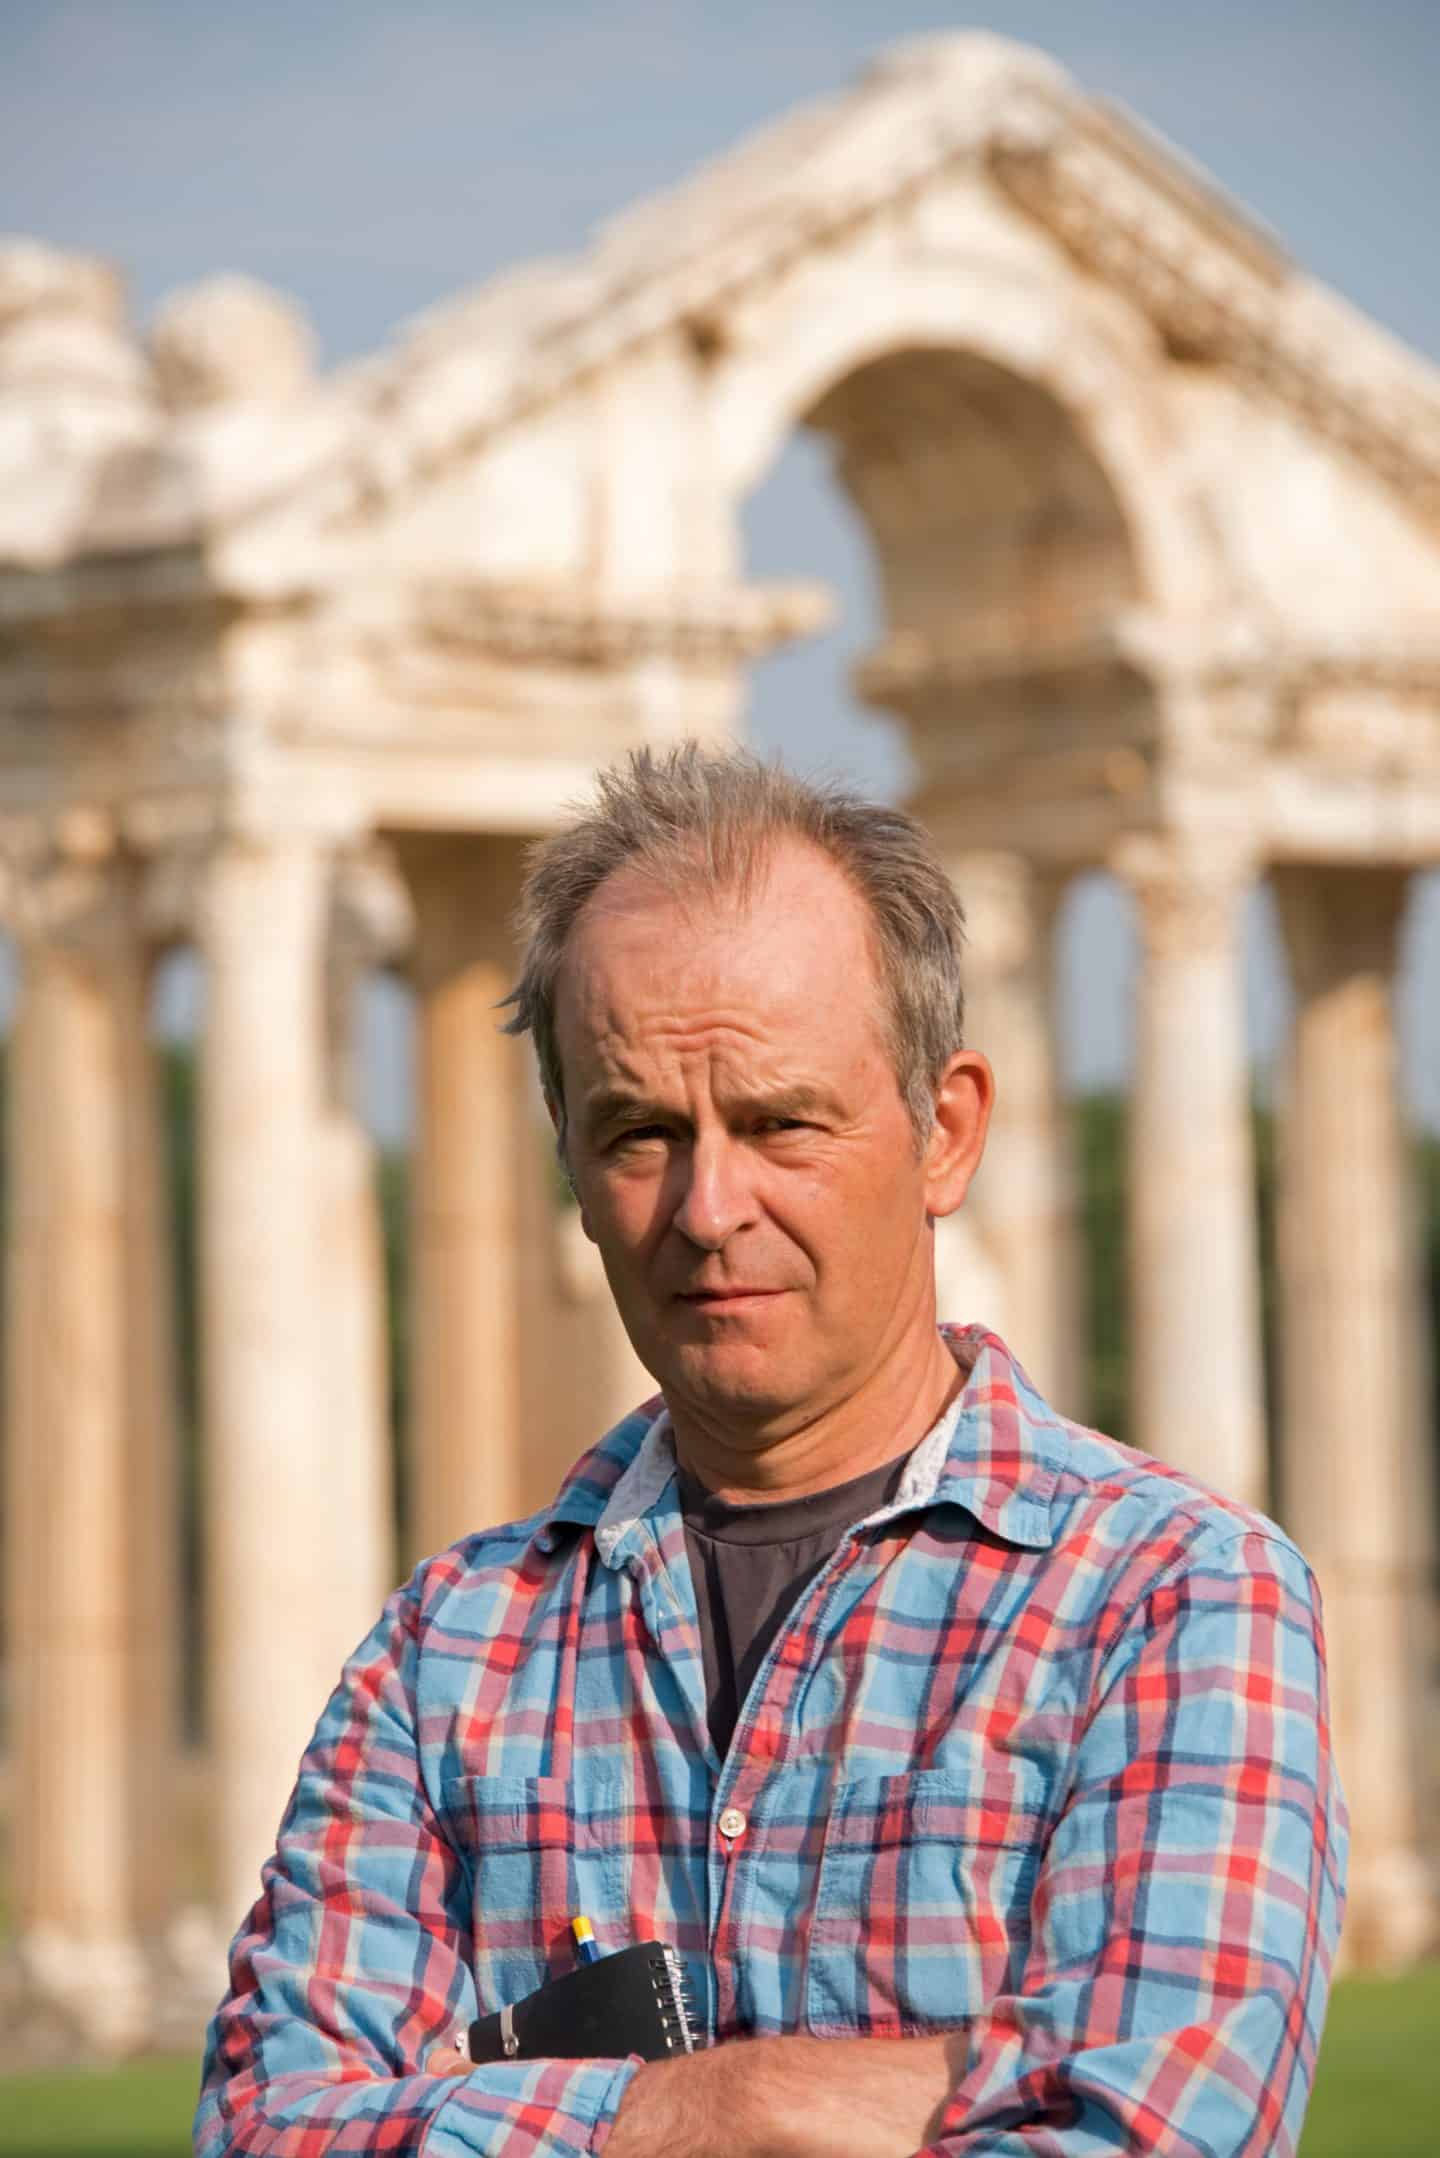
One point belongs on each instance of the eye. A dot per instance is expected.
(781, 1123)
(633, 1134)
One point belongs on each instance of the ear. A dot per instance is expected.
(963, 1101)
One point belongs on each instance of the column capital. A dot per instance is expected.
(1340, 922)
(463, 889)
(374, 916)
(181, 862)
(233, 881)
(995, 892)
(1188, 888)
(1010, 904)
(68, 885)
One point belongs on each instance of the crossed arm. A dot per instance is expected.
(1184, 1913)
(781, 2098)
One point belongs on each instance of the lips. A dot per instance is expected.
(719, 1297)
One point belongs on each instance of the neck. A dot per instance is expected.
(886, 1415)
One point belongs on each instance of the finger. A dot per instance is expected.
(448, 2061)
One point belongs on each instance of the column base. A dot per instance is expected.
(61, 1992)
(64, 2000)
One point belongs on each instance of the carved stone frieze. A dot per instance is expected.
(464, 667)
(1218, 291)
(80, 729)
(1363, 729)
(1217, 699)
(991, 655)
(559, 628)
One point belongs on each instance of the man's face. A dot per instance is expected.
(740, 1148)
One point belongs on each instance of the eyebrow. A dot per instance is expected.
(616, 1105)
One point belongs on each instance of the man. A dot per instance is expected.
(975, 1766)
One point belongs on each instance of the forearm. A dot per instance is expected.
(537, 2108)
(788, 2098)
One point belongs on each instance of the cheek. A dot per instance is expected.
(818, 1215)
(865, 1226)
(624, 1213)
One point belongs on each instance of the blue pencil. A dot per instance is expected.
(587, 1948)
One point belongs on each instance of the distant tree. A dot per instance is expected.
(1428, 1192)
(178, 1104)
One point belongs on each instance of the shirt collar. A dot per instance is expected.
(996, 1451)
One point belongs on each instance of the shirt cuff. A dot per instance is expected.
(554, 2109)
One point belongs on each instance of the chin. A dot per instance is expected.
(734, 1384)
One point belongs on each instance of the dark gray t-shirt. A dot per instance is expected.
(750, 1563)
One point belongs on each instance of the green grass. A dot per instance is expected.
(1378, 2090)
(142, 2110)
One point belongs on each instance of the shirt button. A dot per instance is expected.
(732, 1823)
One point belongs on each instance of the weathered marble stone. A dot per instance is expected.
(1156, 525)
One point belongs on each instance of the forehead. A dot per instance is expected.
(794, 953)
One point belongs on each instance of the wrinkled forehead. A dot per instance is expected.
(794, 944)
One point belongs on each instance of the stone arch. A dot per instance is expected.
(988, 509)
(254, 619)
(1101, 394)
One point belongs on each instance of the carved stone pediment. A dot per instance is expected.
(261, 445)
(680, 266)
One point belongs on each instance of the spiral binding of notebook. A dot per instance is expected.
(675, 1999)
(635, 2001)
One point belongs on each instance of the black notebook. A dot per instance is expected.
(633, 2002)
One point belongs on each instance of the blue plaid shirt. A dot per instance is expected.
(1041, 1755)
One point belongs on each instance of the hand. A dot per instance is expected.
(448, 2060)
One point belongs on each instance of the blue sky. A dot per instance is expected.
(374, 158)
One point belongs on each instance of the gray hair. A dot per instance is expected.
(704, 822)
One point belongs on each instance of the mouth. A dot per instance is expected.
(726, 1299)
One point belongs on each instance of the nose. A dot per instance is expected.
(715, 1198)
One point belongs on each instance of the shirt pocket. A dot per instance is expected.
(922, 1907)
(538, 1854)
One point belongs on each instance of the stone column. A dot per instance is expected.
(466, 1435)
(91, 1530)
(1198, 1388)
(272, 1468)
(579, 1372)
(351, 1263)
(355, 1391)
(1021, 1206)
(1356, 1442)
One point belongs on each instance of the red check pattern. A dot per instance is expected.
(1040, 1756)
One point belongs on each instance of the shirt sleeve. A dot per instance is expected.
(1188, 1904)
(354, 1964)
